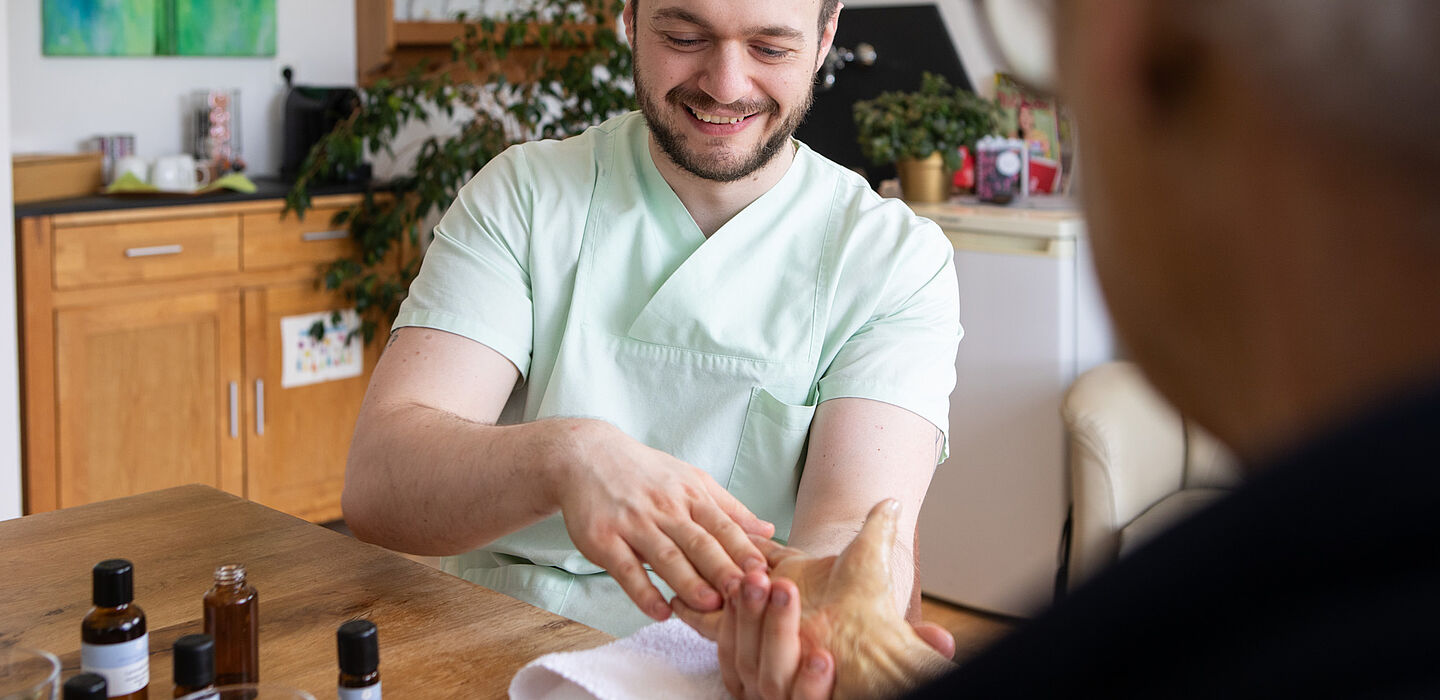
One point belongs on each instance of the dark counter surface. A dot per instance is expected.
(265, 188)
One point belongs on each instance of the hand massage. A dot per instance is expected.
(682, 358)
(685, 381)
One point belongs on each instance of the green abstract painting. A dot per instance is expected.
(223, 27)
(159, 27)
(98, 27)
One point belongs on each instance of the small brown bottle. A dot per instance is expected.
(358, 644)
(114, 642)
(85, 686)
(232, 618)
(194, 657)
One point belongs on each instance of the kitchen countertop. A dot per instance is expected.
(265, 188)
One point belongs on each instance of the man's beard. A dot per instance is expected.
(717, 169)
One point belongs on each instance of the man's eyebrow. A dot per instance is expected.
(778, 31)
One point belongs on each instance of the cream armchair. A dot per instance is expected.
(1136, 465)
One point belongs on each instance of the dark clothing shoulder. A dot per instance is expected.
(1320, 577)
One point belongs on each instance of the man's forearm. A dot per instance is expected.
(425, 481)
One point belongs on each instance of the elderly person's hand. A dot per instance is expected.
(818, 624)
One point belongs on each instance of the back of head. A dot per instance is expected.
(1259, 179)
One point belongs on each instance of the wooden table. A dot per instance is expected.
(440, 636)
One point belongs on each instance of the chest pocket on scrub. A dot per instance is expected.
(768, 462)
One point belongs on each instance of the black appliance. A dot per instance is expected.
(907, 40)
(310, 113)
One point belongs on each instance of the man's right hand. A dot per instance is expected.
(626, 505)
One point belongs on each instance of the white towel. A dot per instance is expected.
(664, 660)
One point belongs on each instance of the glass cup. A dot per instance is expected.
(29, 674)
(250, 691)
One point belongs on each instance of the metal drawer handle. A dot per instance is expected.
(174, 249)
(259, 406)
(312, 236)
(234, 409)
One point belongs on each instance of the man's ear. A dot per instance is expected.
(629, 15)
(827, 36)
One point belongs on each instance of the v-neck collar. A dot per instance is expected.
(661, 195)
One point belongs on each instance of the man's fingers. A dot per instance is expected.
(738, 553)
(774, 551)
(870, 552)
(737, 511)
(729, 620)
(780, 640)
(816, 679)
(937, 637)
(622, 564)
(671, 564)
(750, 614)
(706, 623)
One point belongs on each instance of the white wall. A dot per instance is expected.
(58, 103)
(9, 345)
(962, 20)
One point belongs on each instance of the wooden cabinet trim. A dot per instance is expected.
(37, 360)
(191, 211)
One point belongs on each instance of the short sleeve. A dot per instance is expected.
(904, 354)
(475, 278)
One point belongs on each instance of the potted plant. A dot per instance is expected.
(548, 71)
(921, 133)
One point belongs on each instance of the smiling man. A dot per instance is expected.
(629, 351)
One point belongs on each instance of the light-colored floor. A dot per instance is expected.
(973, 630)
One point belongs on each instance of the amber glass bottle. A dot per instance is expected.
(232, 618)
(358, 644)
(114, 642)
(86, 686)
(194, 664)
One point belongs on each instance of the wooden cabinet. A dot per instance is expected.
(151, 356)
(299, 436)
(142, 393)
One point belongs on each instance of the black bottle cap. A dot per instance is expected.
(86, 686)
(114, 583)
(359, 646)
(194, 660)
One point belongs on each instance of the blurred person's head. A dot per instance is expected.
(1259, 178)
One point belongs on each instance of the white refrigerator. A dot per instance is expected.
(991, 526)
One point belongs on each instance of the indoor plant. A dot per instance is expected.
(548, 71)
(921, 133)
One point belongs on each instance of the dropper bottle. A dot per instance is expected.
(232, 619)
(357, 642)
(114, 641)
(194, 664)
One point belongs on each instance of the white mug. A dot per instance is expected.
(135, 165)
(179, 174)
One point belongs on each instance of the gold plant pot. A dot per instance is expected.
(923, 180)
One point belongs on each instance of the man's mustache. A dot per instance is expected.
(697, 99)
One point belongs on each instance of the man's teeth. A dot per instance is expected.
(715, 118)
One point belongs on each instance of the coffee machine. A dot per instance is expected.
(310, 113)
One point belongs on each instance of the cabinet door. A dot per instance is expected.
(298, 436)
(144, 392)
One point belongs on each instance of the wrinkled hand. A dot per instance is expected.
(629, 505)
(776, 634)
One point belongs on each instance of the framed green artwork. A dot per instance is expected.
(158, 27)
(98, 27)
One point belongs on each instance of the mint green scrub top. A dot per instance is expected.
(576, 261)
